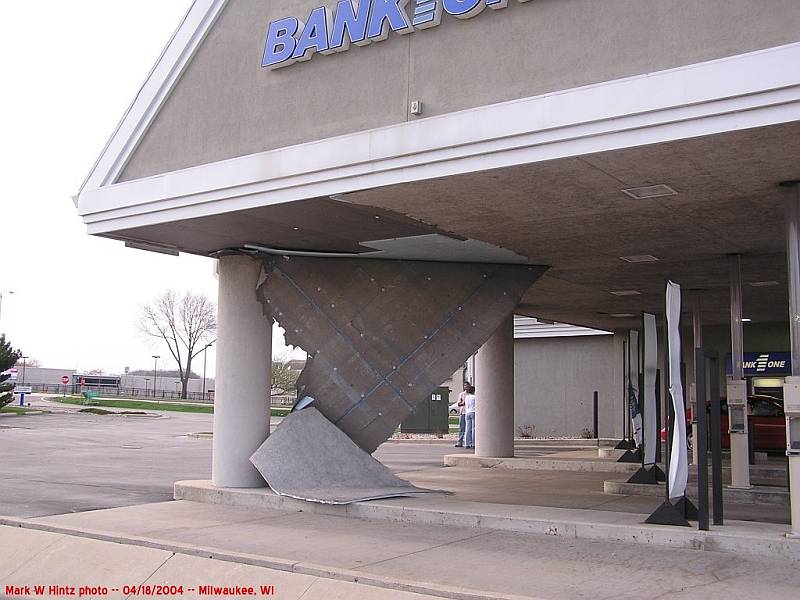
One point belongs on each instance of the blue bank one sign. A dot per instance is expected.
(763, 363)
(361, 22)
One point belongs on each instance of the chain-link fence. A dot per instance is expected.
(285, 400)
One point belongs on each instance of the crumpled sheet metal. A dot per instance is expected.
(383, 334)
(309, 458)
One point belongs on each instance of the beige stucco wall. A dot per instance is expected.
(554, 381)
(226, 105)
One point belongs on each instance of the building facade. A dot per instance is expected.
(558, 159)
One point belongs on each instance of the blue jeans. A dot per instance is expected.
(462, 428)
(470, 423)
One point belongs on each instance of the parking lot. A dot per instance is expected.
(73, 462)
(66, 462)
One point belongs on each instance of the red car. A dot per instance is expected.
(766, 418)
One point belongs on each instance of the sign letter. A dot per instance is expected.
(388, 14)
(464, 9)
(315, 35)
(349, 25)
(280, 43)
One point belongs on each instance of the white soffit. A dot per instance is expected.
(436, 247)
(530, 328)
(749, 90)
(429, 247)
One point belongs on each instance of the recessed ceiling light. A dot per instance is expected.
(650, 191)
(626, 293)
(640, 258)
(295, 228)
(620, 315)
(747, 320)
(763, 283)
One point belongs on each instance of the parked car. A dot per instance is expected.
(766, 418)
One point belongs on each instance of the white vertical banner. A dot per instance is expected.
(650, 426)
(633, 386)
(679, 459)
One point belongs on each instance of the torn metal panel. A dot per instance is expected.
(309, 458)
(382, 334)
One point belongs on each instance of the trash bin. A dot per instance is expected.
(431, 415)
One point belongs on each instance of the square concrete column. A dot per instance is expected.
(494, 391)
(244, 364)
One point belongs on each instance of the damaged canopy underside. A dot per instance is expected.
(381, 335)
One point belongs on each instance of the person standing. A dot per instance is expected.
(462, 415)
(469, 410)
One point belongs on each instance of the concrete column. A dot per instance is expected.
(244, 362)
(619, 416)
(740, 450)
(494, 391)
(697, 331)
(792, 418)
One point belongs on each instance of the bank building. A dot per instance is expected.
(394, 181)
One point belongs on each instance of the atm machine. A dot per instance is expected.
(737, 428)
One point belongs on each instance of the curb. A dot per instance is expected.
(268, 562)
(755, 495)
(756, 540)
(29, 413)
(539, 464)
(524, 442)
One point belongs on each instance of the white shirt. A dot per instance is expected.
(469, 401)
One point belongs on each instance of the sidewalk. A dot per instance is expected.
(384, 557)
(40, 558)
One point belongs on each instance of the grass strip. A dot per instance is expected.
(154, 406)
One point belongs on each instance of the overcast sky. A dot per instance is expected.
(70, 70)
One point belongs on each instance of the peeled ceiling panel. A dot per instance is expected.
(309, 458)
(383, 334)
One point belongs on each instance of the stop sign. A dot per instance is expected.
(65, 380)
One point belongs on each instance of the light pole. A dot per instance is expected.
(155, 371)
(1, 299)
(204, 367)
(24, 358)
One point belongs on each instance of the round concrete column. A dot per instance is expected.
(494, 391)
(244, 362)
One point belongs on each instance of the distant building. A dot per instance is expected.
(51, 380)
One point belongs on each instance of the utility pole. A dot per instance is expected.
(24, 358)
(155, 370)
(204, 367)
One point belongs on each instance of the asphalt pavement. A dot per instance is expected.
(71, 462)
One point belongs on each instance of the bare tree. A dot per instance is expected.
(186, 324)
(29, 362)
(284, 378)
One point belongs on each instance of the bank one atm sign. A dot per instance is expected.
(763, 363)
(359, 22)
